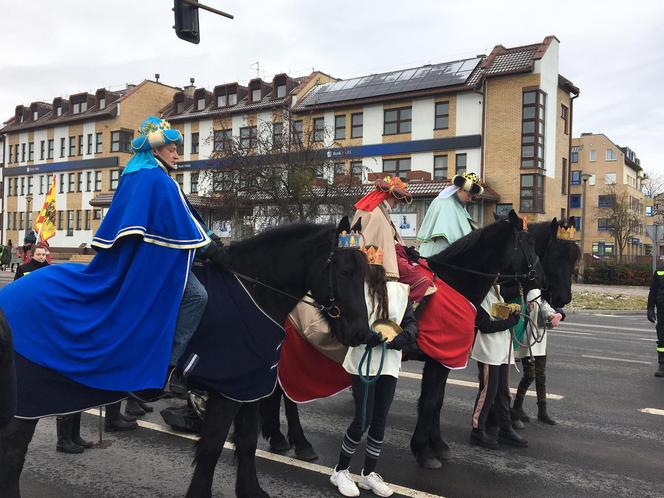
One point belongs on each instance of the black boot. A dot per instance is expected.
(65, 444)
(542, 414)
(508, 436)
(114, 421)
(516, 411)
(76, 432)
(134, 408)
(660, 371)
(481, 438)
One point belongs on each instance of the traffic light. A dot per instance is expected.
(186, 21)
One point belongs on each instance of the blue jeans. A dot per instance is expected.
(190, 313)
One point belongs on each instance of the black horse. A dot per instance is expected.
(293, 259)
(470, 266)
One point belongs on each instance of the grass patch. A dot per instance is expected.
(596, 301)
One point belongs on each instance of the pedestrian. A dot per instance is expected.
(115, 421)
(386, 300)
(493, 352)
(136, 408)
(532, 352)
(656, 301)
(36, 260)
(16, 259)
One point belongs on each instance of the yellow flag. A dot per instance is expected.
(45, 222)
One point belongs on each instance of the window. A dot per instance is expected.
(356, 121)
(78, 219)
(88, 181)
(84, 106)
(22, 152)
(396, 167)
(35, 115)
(200, 105)
(461, 163)
(532, 129)
(49, 150)
(75, 108)
(610, 155)
(281, 91)
(72, 146)
(179, 107)
(87, 220)
(248, 137)
(62, 147)
(319, 129)
(576, 178)
(442, 121)
(102, 103)
(440, 168)
(603, 248)
(575, 201)
(605, 224)
(62, 183)
(14, 220)
(115, 178)
(121, 141)
(97, 181)
(98, 143)
(610, 179)
(89, 143)
(575, 156)
(339, 169)
(58, 111)
(356, 169)
(222, 140)
(60, 220)
(79, 182)
(194, 183)
(29, 185)
(256, 95)
(179, 178)
(42, 149)
(22, 185)
(20, 220)
(564, 177)
(194, 143)
(277, 135)
(80, 145)
(232, 99)
(9, 186)
(179, 147)
(70, 223)
(577, 223)
(31, 151)
(563, 116)
(593, 155)
(397, 121)
(606, 201)
(532, 193)
(71, 177)
(221, 100)
(503, 209)
(96, 214)
(9, 159)
(296, 131)
(339, 127)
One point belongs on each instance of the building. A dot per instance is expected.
(611, 174)
(84, 141)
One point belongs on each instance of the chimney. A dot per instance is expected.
(130, 86)
(189, 89)
(156, 77)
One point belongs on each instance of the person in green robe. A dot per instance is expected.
(447, 219)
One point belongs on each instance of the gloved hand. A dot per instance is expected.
(555, 320)
(399, 342)
(217, 255)
(512, 320)
(412, 254)
(374, 340)
(651, 315)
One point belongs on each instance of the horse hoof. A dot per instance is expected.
(258, 493)
(426, 459)
(441, 451)
(307, 454)
(279, 444)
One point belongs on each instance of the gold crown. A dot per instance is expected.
(374, 254)
(566, 233)
(352, 240)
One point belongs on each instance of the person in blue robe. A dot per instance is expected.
(119, 322)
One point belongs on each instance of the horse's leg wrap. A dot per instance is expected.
(14, 441)
(219, 415)
(246, 440)
(434, 376)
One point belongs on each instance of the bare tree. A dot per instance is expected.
(281, 171)
(621, 213)
(653, 185)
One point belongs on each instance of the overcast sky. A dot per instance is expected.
(613, 51)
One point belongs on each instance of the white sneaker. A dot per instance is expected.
(344, 483)
(375, 483)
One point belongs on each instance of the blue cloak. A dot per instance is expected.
(109, 325)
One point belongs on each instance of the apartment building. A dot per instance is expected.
(84, 141)
(609, 172)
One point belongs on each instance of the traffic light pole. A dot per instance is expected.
(194, 3)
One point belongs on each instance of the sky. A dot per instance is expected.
(613, 51)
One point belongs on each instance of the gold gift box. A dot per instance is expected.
(502, 311)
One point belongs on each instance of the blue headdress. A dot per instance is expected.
(153, 133)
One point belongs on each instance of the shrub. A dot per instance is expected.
(618, 274)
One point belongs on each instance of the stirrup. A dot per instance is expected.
(198, 400)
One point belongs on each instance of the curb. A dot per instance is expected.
(607, 312)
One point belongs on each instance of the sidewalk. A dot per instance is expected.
(626, 290)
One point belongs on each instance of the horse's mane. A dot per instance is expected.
(464, 244)
(301, 231)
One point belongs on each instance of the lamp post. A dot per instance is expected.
(582, 264)
(28, 205)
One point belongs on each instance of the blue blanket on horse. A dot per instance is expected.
(109, 325)
(236, 348)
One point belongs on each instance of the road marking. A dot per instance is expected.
(573, 332)
(652, 411)
(266, 455)
(593, 326)
(476, 385)
(615, 359)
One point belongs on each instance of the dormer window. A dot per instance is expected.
(35, 115)
(281, 91)
(102, 103)
(256, 95)
(84, 106)
(221, 100)
(58, 111)
(232, 99)
(76, 108)
(200, 104)
(179, 107)
(20, 118)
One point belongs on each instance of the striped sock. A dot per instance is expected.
(372, 454)
(348, 447)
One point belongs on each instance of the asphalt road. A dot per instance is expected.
(603, 445)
